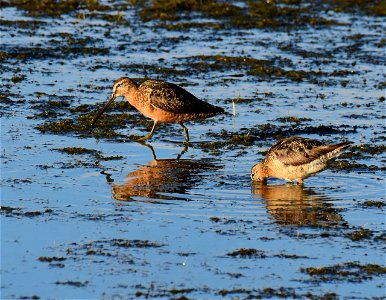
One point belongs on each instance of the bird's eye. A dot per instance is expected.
(252, 175)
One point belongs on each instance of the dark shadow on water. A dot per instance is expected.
(160, 178)
(293, 205)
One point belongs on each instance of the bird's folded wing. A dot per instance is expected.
(172, 98)
(300, 151)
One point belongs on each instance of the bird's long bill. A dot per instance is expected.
(98, 115)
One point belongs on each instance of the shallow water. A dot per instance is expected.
(119, 224)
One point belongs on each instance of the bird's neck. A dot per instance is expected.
(265, 171)
(131, 97)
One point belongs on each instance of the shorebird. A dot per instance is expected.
(296, 158)
(161, 101)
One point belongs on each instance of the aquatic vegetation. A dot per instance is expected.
(373, 203)
(51, 258)
(376, 7)
(280, 293)
(78, 119)
(18, 78)
(18, 212)
(55, 8)
(72, 283)
(253, 14)
(360, 234)
(170, 9)
(265, 69)
(246, 252)
(293, 119)
(350, 271)
(76, 150)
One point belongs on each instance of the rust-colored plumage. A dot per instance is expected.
(296, 158)
(161, 101)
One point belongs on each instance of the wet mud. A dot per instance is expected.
(88, 212)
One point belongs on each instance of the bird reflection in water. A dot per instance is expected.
(292, 205)
(162, 179)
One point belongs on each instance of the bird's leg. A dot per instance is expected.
(186, 132)
(150, 147)
(150, 133)
(182, 152)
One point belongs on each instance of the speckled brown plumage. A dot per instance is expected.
(296, 158)
(163, 102)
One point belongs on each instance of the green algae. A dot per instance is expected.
(350, 271)
(293, 119)
(369, 7)
(18, 212)
(18, 78)
(33, 297)
(277, 14)
(246, 252)
(265, 69)
(170, 10)
(82, 116)
(61, 51)
(76, 150)
(72, 283)
(180, 291)
(344, 164)
(369, 149)
(134, 243)
(269, 131)
(274, 293)
(109, 247)
(373, 203)
(163, 71)
(189, 25)
(51, 258)
(360, 234)
(239, 139)
(54, 8)
(252, 14)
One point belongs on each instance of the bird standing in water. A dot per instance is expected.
(161, 101)
(296, 158)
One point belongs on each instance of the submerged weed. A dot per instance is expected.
(360, 234)
(373, 203)
(350, 271)
(246, 252)
(55, 8)
(254, 14)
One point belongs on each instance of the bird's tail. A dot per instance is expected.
(337, 149)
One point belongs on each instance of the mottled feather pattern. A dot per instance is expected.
(172, 98)
(297, 151)
(295, 159)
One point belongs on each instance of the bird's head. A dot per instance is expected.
(121, 87)
(259, 173)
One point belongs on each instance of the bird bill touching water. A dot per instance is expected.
(296, 158)
(161, 101)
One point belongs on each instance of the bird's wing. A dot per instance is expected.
(172, 98)
(297, 151)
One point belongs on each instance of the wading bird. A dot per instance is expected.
(161, 101)
(296, 158)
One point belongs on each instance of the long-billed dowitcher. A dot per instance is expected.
(296, 158)
(161, 101)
